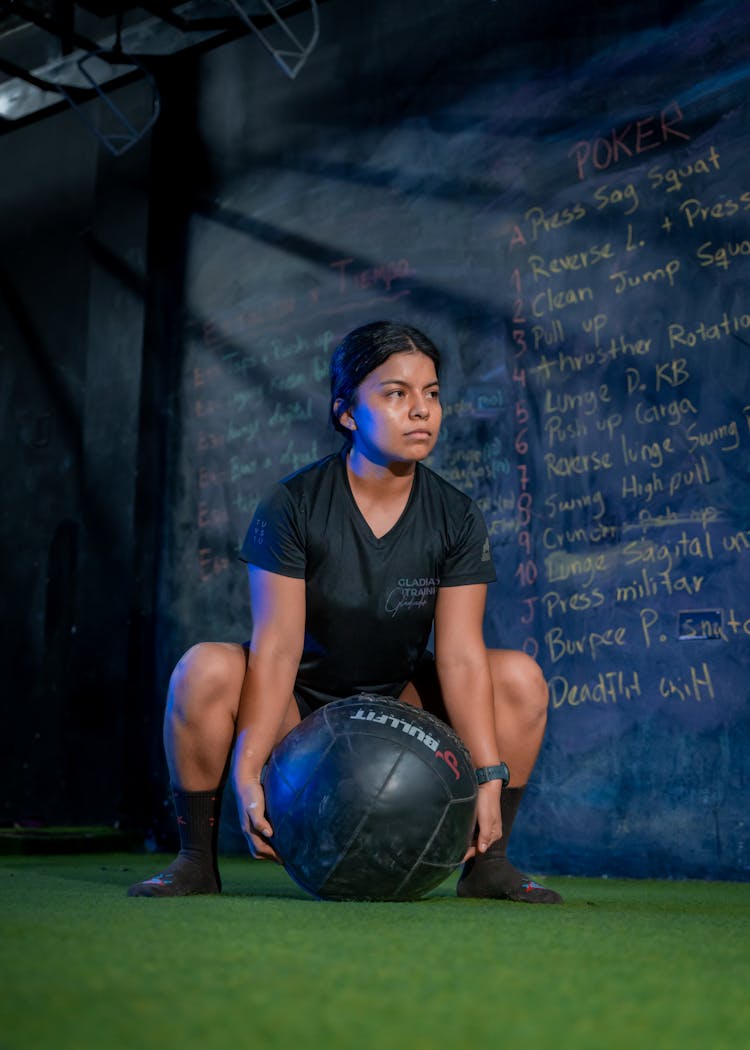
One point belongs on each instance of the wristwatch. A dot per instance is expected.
(487, 773)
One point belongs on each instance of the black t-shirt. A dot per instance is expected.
(370, 601)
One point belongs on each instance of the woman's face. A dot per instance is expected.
(396, 413)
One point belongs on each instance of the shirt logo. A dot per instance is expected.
(486, 550)
(412, 593)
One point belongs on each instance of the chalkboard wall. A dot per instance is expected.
(561, 200)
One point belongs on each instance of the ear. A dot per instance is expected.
(344, 415)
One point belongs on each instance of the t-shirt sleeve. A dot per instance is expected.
(470, 559)
(275, 539)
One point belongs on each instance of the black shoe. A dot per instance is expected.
(497, 879)
(181, 879)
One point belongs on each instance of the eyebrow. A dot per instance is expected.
(402, 382)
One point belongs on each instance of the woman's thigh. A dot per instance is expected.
(508, 668)
(424, 690)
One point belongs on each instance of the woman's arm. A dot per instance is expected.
(278, 606)
(464, 674)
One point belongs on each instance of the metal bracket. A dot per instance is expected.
(117, 142)
(300, 53)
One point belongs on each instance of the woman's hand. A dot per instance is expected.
(489, 822)
(251, 802)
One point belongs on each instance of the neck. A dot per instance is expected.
(363, 471)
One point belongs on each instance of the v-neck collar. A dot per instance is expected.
(359, 518)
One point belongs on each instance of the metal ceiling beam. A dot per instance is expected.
(30, 93)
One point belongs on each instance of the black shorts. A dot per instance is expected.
(424, 679)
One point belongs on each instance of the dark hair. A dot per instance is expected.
(363, 350)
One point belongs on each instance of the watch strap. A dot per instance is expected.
(486, 773)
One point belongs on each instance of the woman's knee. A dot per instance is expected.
(519, 679)
(208, 676)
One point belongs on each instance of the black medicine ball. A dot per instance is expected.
(370, 799)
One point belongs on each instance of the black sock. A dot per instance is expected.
(195, 868)
(491, 874)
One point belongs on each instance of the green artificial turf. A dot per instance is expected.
(621, 964)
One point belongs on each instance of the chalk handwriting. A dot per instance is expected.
(679, 335)
(616, 145)
(694, 211)
(607, 687)
(673, 179)
(723, 256)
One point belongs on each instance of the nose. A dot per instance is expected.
(420, 408)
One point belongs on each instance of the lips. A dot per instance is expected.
(419, 434)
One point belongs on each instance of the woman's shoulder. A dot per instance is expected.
(434, 483)
(312, 474)
(287, 502)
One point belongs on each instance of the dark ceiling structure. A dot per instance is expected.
(62, 53)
